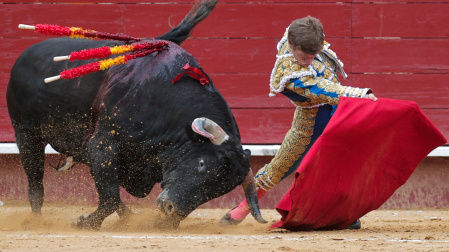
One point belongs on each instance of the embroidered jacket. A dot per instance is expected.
(313, 85)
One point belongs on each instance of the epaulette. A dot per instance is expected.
(333, 56)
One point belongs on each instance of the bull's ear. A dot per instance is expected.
(193, 136)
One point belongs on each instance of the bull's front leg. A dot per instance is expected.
(104, 165)
(123, 211)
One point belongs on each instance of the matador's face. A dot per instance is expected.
(303, 58)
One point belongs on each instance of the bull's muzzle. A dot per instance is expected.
(167, 207)
(164, 204)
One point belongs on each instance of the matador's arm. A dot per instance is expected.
(321, 90)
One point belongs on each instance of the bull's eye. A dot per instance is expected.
(201, 166)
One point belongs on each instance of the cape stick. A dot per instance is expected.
(100, 65)
(106, 51)
(75, 32)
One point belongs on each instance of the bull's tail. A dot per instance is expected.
(199, 12)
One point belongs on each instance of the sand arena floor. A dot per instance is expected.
(382, 230)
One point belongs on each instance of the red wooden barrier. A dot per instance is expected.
(242, 20)
(168, 1)
(398, 49)
(399, 56)
(413, 20)
(427, 187)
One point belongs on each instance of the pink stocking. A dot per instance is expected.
(242, 210)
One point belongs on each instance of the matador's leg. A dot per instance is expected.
(295, 144)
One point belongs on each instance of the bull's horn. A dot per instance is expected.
(249, 187)
(209, 129)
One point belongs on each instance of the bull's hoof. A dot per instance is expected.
(125, 213)
(227, 220)
(78, 222)
(356, 225)
(81, 222)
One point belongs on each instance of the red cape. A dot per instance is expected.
(367, 151)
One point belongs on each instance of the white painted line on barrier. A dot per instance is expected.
(270, 150)
(11, 148)
(256, 150)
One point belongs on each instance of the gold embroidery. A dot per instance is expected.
(294, 145)
(327, 73)
(287, 66)
(317, 65)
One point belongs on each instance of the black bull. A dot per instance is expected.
(131, 125)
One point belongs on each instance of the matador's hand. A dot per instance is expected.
(371, 97)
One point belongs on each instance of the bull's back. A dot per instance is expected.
(161, 87)
(53, 110)
(26, 87)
